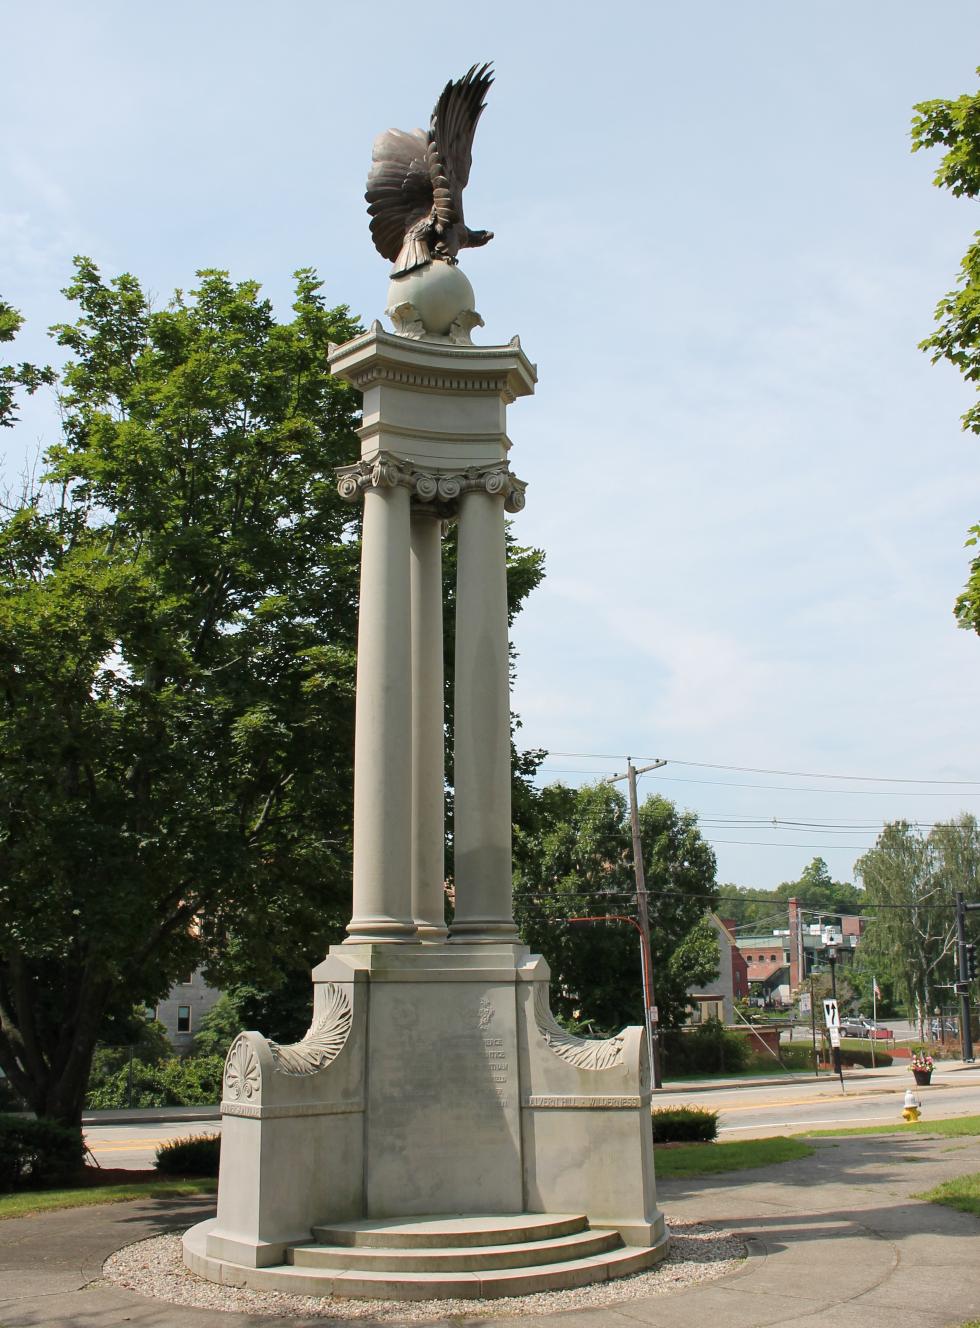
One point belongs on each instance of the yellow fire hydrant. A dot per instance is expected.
(912, 1108)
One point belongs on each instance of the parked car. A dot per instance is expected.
(859, 1027)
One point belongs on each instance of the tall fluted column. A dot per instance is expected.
(428, 734)
(383, 734)
(482, 819)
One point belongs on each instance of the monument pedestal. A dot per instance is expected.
(433, 1081)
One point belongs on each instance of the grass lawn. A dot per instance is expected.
(27, 1203)
(962, 1193)
(706, 1159)
(959, 1125)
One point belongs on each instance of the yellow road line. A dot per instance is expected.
(127, 1145)
(801, 1101)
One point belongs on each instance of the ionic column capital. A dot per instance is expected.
(442, 489)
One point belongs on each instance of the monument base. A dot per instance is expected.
(434, 1080)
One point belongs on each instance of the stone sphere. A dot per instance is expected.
(439, 292)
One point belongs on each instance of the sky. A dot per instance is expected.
(713, 240)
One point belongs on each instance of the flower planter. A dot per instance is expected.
(922, 1077)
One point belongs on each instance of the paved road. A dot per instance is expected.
(836, 1240)
(134, 1145)
(813, 1104)
(782, 1107)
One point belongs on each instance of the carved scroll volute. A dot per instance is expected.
(583, 1053)
(325, 1040)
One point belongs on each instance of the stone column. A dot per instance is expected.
(482, 819)
(428, 733)
(383, 734)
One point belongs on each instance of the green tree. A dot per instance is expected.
(818, 892)
(177, 607)
(954, 125)
(911, 882)
(27, 376)
(573, 857)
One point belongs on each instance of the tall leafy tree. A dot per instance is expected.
(573, 857)
(177, 609)
(954, 125)
(911, 880)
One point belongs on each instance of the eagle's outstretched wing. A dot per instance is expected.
(399, 188)
(451, 133)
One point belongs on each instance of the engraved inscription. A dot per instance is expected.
(496, 1056)
(608, 1102)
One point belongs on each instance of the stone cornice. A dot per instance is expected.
(377, 356)
(442, 488)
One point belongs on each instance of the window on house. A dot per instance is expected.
(183, 1018)
(186, 981)
(773, 958)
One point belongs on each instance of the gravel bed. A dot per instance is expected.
(698, 1253)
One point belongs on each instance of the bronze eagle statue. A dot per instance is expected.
(415, 186)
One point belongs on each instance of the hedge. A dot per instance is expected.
(709, 1048)
(862, 1056)
(192, 1082)
(673, 1125)
(194, 1155)
(37, 1153)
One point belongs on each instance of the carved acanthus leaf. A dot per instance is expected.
(325, 1039)
(584, 1053)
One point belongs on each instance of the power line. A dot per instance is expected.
(765, 770)
(850, 908)
(777, 788)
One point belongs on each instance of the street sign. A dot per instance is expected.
(834, 1032)
(804, 1002)
(831, 1014)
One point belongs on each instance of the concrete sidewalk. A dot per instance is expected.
(835, 1241)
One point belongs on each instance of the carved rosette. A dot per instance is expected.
(243, 1077)
(441, 489)
(325, 1039)
(583, 1053)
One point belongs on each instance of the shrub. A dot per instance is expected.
(194, 1081)
(673, 1125)
(862, 1056)
(194, 1155)
(798, 1056)
(37, 1153)
(709, 1048)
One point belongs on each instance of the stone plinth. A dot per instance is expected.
(434, 1080)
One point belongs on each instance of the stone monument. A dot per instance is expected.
(436, 1132)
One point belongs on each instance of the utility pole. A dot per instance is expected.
(966, 969)
(646, 956)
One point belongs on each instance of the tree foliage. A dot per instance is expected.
(177, 605)
(27, 376)
(911, 880)
(954, 125)
(573, 857)
(815, 888)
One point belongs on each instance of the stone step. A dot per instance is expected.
(451, 1230)
(472, 1258)
(362, 1284)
